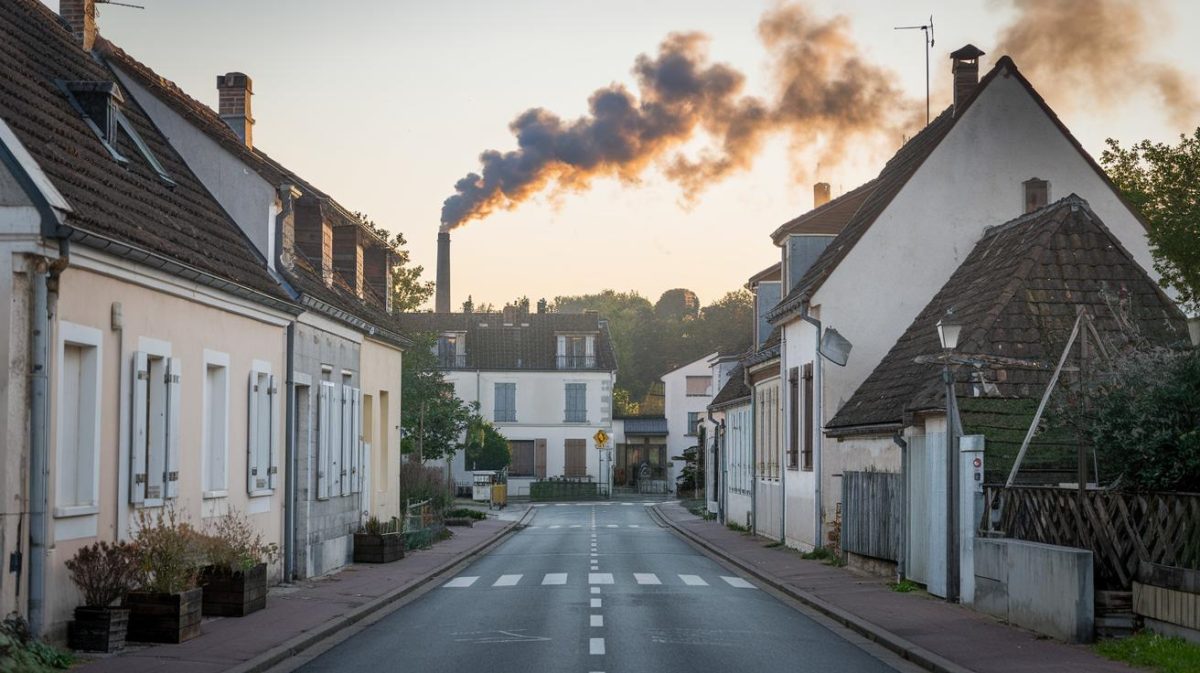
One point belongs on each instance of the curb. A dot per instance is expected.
(907, 649)
(302, 642)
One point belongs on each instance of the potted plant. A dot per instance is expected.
(235, 577)
(104, 573)
(379, 541)
(166, 607)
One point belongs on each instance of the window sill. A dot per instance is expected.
(213, 495)
(263, 493)
(75, 510)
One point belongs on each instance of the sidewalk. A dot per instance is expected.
(300, 615)
(927, 631)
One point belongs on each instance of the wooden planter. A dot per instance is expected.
(98, 629)
(236, 594)
(164, 618)
(369, 548)
(465, 521)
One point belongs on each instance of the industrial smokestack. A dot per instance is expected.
(442, 299)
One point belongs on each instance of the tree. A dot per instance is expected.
(432, 417)
(486, 448)
(1163, 182)
(409, 292)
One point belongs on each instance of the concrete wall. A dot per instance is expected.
(1045, 588)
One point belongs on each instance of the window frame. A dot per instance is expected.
(214, 360)
(687, 388)
(90, 339)
(511, 411)
(581, 397)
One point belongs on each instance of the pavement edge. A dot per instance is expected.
(906, 649)
(290, 648)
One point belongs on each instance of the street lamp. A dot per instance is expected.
(949, 330)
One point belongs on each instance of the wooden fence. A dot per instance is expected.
(871, 508)
(1121, 529)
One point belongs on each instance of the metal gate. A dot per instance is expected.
(925, 553)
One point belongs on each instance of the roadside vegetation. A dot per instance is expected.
(1150, 650)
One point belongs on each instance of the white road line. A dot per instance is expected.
(646, 578)
(507, 581)
(611, 525)
(596, 646)
(595, 602)
(554, 578)
(595, 590)
(737, 582)
(693, 580)
(554, 526)
(634, 525)
(600, 578)
(576, 525)
(597, 620)
(460, 582)
(542, 505)
(595, 555)
(627, 504)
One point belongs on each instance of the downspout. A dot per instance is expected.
(289, 448)
(785, 398)
(753, 453)
(818, 519)
(901, 566)
(717, 458)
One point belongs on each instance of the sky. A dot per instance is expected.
(385, 104)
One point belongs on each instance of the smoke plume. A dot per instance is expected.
(1094, 50)
(824, 97)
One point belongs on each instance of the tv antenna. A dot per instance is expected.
(119, 4)
(928, 30)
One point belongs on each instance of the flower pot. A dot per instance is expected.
(164, 618)
(374, 548)
(233, 594)
(98, 629)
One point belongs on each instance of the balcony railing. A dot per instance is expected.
(576, 362)
(452, 360)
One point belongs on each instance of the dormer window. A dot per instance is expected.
(99, 104)
(1037, 194)
(451, 350)
(576, 351)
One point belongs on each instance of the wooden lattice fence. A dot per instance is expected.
(871, 507)
(1121, 529)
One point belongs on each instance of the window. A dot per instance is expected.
(154, 458)
(793, 456)
(522, 458)
(806, 462)
(261, 436)
(351, 444)
(452, 350)
(576, 351)
(506, 403)
(576, 403)
(699, 386)
(1037, 194)
(575, 458)
(216, 424)
(77, 485)
(693, 422)
(329, 481)
(340, 467)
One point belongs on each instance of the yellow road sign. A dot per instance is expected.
(601, 438)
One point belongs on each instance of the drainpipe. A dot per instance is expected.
(819, 520)
(289, 448)
(901, 566)
(720, 463)
(753, 454)
(785, 397)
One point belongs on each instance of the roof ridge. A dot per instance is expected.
(1071, 199)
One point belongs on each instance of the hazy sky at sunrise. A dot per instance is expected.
(385, 104)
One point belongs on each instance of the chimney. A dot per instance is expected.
(285, 225)
(442, 299)
(510, 315)
(820, 194)
(348, 255)
(234, 90)
(80, 15)
(541, 306)
(965, 69)
(377, 265)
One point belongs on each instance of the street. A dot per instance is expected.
(597, 588)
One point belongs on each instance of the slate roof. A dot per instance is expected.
(769, 349)
(829, 218)
(734, 390)
(529, 344)
(642, 426)
(124, 209)
(769, 274)
(1016, 294)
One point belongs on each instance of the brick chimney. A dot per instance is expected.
(348, 255)
(234, 91)
(314, 236)
(821, 193)
(81, 16)
(965, 69)
(377, 265)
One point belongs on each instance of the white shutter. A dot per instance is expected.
(355, 421)
(562, 348)
(251, 431)
(272, 434)
(137, 434)
(324, 404)
(347, 438)
(360, 466)
(171, 470)
(335, 440)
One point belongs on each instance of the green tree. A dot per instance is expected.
(432, 417)
(1163, 182)
(409, 292)
(486, 448)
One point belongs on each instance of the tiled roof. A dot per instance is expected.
(529, 343)
(1016, 295)
(829, 218)
(733, 391)
(128, 207)
(305, 278)
(642, 426)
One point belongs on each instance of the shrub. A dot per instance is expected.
(21, 653)
(104, 572)
(168, 550)
(375, 526)
(466, 513)
(232, 545)
(419, 483)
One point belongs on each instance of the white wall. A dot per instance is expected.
(678, 404)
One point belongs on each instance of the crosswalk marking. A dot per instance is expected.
(633, 525)
(576, 525)
(594, 577)
(555, 578)
(737, 582)
(460, 582)
(596, 646)
(600, 578)
(595, 602)
(693, 580)
(507, 581)
(646, 578)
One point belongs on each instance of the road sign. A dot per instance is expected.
(601, 438)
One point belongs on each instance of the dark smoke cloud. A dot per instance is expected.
(825, 95)
(1094, 50)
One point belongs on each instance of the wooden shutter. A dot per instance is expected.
(138, 429)
(575, 458)
(272, 434)
(324, 413)
(807, 443)
(172, 467)
(539, 458)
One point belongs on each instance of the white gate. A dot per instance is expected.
(925, 552)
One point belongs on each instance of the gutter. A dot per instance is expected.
(857, 430)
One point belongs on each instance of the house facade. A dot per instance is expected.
(687, 392)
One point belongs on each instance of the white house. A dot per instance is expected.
(544, 379)
(989, 157)
(687, 392)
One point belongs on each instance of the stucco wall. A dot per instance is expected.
(381, 372)
(678, 404)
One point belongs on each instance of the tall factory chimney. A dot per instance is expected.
(442, 298)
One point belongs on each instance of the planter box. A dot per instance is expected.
(370, 548)
(98, 629)
(234, 594)
(164, 618)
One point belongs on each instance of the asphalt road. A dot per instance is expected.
(599, 588)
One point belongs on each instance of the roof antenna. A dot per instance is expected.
(119, 4)
(928, 30)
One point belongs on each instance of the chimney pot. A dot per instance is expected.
(541, 306)
(442, 296)
(965, 69)
(234, 90)
(81, 16)
(821, 194)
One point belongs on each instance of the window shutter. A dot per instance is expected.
(172, 467)
(324, 406)
(352, 445)
(272, 434)
(139, 422)
(347, 430)
(539, 458)
(252, 432)
(562, 346)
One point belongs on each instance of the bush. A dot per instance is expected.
(21, 653)
(104, 572)
(232, 545)
(169, 552)
(375, 526)
(466, 513)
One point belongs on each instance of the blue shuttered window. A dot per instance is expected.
(576, 403)
(506, 403)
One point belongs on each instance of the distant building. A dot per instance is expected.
(688, 391)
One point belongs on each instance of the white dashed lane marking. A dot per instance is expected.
(646, 578)
(507, 581)
(600, 578)
(738, 583)
(460, 582)
(555, 578)
(595, 603)
(693, 580)
(596, 646)
(597, 620)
